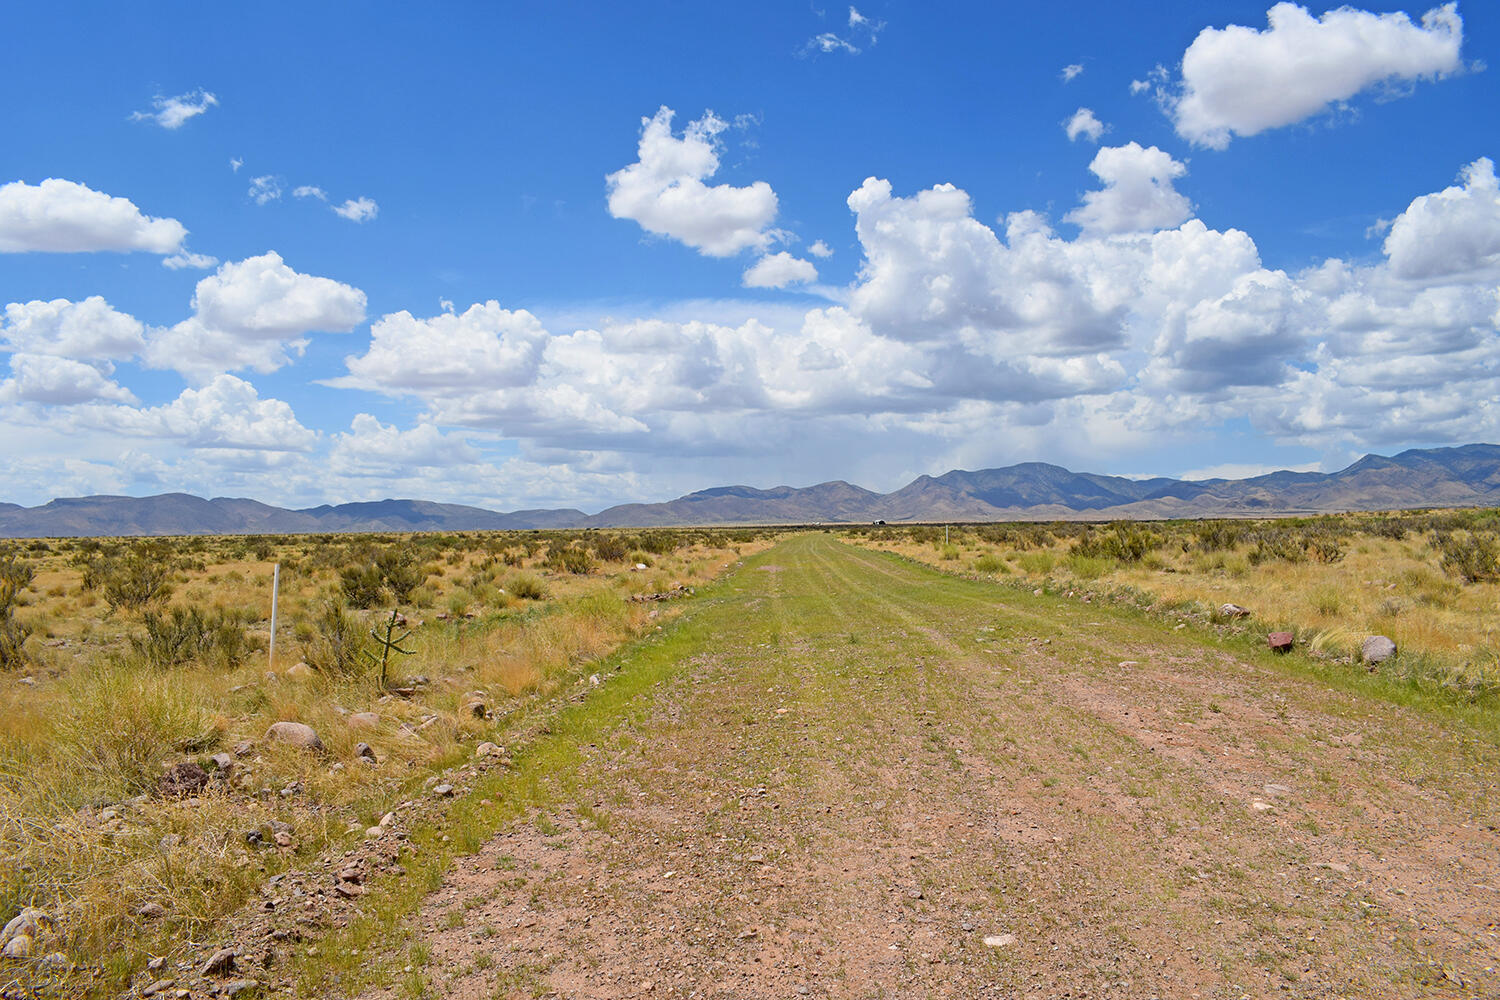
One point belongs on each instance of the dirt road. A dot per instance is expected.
(871, 780)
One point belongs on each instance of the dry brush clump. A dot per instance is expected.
(139, 670)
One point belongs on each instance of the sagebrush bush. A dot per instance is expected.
(339, 641)
(1126, 543)
(527, 586)
(15, 576)
(182, 635)
(989, 563)
(1473, 556)
(135, 579)
(609, 548)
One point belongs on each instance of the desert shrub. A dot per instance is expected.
(1089, 567)
(989, 563)
(1036, 563)
(526, 585)
(659, 543)
(1127, 543)
(1276, 544)
(362, 585)
(339, 641)
(135, 579)
(401, 571)
(15, 576)
(181, 635)
(1216, 536)
(570, 559)
(1323, 547)
(949, 552)
(609, 548)
(1388, 527)
(512, 557)
(640, 557)
(1473, 556)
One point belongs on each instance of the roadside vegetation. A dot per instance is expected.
(1430, 581)
(141, 797)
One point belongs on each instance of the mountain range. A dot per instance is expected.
(1466, 476)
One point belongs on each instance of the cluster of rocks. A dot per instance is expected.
(1374, 649)
(28, 935)
(681, 590)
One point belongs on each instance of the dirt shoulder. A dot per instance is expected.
(870, 780)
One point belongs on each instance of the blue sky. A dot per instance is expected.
(523, 255)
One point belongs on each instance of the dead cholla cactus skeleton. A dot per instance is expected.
(384, 639)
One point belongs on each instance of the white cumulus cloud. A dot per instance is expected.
(90, 330)
(226, 413)
(174, 112)
(664, 190)
(1240, 81)
(1070, 72)
(60, 216)
(779, 270)
(265, 189)
(248, 314)
(1451, 232)
(357, 210)
(370, 448)
(58, 381)
(1137, 196)
(1084, 123)
(310, 191)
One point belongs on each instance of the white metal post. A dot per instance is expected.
(275, 585)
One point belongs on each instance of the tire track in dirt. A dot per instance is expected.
(869, 767)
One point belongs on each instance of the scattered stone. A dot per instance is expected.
(220, 962)
(1037, 592)
(155, 965)
(151, 911)
(160, 986)
(476, 708)
(1276, 791)
(348, 889)
(239, 986)
(487, 749)
(388, 820)
(639, 567)
(1377, 649)
(18, 946)
(31, 923)
(364, 750)
(182, 779)
(223, 762)
(297, 734)
(373, 832)
(55, 962)
(1233, 611)
(300, 671)
(1261, 806)
(363, 720)
(243, 748)
(1280, 642)
(444, 790)
(999, 940)
(1335, 866)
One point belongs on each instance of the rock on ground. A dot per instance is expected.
(297, 734)
(1377, 649)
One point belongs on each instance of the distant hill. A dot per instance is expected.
(1439, 477)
